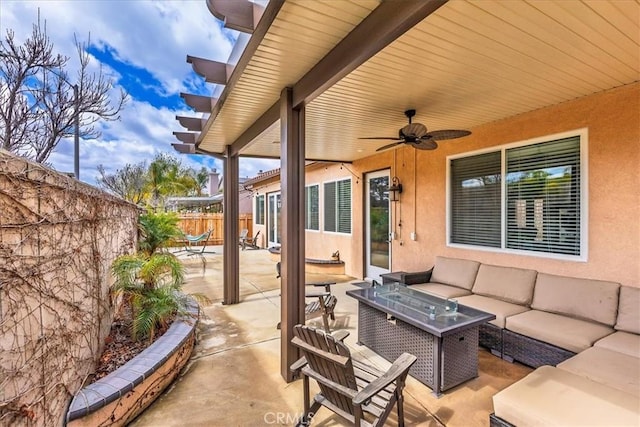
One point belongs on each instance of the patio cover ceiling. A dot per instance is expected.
(464, 65)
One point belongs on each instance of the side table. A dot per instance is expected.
(393, 277)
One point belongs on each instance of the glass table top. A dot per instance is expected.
(420, 308)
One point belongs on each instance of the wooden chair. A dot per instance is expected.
(357, 392)
(251, 242)
(322, 303)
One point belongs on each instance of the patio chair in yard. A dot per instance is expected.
(357, 392)
(191, 244)
(322, 302)
(245, 241)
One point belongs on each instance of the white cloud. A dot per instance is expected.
(152, 35)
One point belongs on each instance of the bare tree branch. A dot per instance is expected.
(37, 102)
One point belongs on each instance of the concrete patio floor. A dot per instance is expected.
(233, 377)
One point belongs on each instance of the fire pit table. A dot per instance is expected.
(443, 335)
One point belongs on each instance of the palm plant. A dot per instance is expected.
(150, 281)
(156, 230)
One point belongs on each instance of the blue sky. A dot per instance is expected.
(142, 45)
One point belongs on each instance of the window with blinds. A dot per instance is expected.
(337, 206)
(537, 187)
(312, 207)
(543, 197)
(260, 209)
(475, 200)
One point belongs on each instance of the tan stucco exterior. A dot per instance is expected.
(612, 120)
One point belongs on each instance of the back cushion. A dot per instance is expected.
(629, 310)
(455, 272)
(595, 300)
(509, 284)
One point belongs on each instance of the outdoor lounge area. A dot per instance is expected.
(233, 376)
(506, 235)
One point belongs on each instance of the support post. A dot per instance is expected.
(292, 252)
(231, 260)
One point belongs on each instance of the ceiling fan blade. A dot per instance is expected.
(384, 147)
(392, 138)
(440, 135)
(429, 144)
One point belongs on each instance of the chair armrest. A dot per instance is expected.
(340, 335)
(416, 277)
(326, 285)
(399, 368)
(317, 294)
(298, 364)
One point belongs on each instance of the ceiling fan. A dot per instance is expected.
(416, 135)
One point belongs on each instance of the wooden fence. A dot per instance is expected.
(198, 223)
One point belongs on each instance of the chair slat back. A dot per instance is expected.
(330, 359)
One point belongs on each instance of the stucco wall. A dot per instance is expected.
(613, 122)
(58, 238)
(320, 244)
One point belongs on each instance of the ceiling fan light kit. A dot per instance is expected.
(416, 135)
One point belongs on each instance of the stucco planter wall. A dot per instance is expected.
(119, 397)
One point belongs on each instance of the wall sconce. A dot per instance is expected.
(395, 189)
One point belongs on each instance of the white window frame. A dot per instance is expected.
(323, 207)
(583, 134)
(319, 208)
(263, 213)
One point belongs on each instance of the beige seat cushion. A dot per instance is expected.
(613, 369)
(587, 299)
(629, 310)
(555, 397)
(455, 272)
(440, 290)
(501, 309)
(506, 283)
(622, 342)
(565, 332)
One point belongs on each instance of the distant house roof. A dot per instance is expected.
(193, 202)
(262, 176)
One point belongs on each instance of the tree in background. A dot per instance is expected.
(38, 106)
(164, 177)
(128, 182)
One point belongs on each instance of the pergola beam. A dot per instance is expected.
(239, 15)
(184, 148)
(186, 137)
(267, 119)
(212, 71)
(193, 124)
(201, 104)
(261, 29)
(384, 24)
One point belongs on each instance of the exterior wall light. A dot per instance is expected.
(395, 189)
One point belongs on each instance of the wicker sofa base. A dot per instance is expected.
(495, 421)
(530, 351)
(490, 337)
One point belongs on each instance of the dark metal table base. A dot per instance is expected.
(451, 360)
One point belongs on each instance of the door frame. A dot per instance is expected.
(276, 195)
(366, 229)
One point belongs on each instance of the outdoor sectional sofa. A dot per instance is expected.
(581, 335)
